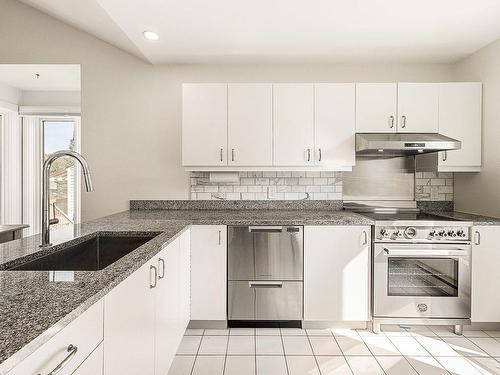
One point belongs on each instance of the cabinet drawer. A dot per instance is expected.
(85, 333)
(93, 365)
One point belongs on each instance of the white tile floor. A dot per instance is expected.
(424, 350)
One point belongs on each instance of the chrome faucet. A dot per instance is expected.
(46, 222)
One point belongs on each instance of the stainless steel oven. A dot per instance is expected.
(421, 270)
(422, 280)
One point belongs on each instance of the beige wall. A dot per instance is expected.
(480, 192)
(50, 98)
(131, 111)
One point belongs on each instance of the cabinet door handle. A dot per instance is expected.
(162, 268)
(319, 154)
(308, 154)
(445, 156)
(221, 152)
(232, 154)
(71, 349)
(477, 238)
(403, 121)
(220, 233)
(365, 237)
(391, 122)
(153, 285)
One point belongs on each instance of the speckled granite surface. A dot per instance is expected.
(30, 303)
(435, 206)
(475, 219)
(236, 205)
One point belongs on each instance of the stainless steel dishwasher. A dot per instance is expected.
(265, 275)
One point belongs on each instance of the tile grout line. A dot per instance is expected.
(227, 347)
(341, 351)
(197, 351)
(373, 355)
(406, 358)
(255, 353)
(312, 350)
(284, 353)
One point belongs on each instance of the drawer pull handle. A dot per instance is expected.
(162, 268)
(265, 284)
(71, 349)
(153, 285)
(403, 121)
(477, 238)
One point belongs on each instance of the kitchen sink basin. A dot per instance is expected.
(93, 254)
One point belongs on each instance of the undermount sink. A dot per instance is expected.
(93, 254)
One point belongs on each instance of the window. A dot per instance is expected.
(61, 134)
(430, 277)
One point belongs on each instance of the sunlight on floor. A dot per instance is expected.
(396, 350)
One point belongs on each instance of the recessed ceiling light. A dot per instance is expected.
(150, 35)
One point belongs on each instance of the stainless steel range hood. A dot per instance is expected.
(391, 144)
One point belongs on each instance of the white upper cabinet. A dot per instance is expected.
(293, 124)
(376, 105)
(334, 124)
(250, 124)
(418, 107)
(460, 118)
(204, 124)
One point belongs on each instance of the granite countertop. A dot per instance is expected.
(462, 216)
(30, 303)
(5, 228)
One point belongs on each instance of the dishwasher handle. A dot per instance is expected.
(265, 284)
(265, 229)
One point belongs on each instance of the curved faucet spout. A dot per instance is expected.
(89, 186)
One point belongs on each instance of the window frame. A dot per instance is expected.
(76, 120)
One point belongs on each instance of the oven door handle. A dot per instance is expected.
(455, 253)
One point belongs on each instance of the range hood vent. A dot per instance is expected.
(391, 144)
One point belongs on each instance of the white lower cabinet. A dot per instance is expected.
(172, 301)
(135, 329)
(129, 324)
(146, 315)
(93, 364)
(485, 274)
(208, 272)
(70, 347)
(336, 273)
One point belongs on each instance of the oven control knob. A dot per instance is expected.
(384, 233)
(452, 233)
(397, 233)
(460, 233)
(410, 232)
(422, 307)
(442, 233)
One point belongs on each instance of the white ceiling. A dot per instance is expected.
(53, 77)
(225, 31)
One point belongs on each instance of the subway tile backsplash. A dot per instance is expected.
(429, 186)
(434, 186)
(270, 186)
